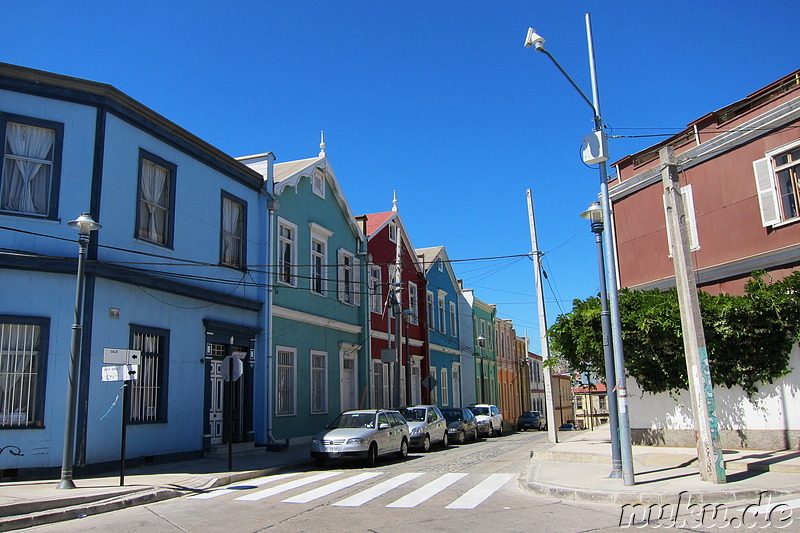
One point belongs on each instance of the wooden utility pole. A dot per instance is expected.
(701, 389)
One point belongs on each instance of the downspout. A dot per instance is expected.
(269, 254)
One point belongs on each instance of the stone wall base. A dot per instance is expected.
(758, 439)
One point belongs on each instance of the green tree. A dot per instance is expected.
(749, 337)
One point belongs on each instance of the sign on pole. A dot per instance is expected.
(232, 368)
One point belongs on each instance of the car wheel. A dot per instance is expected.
(499, 432)
(520, 428)
(445, 440)
(403, 453)
(372, 454)
(320, 461)
(426, 443)
(475, 434)
(462, 437)
(491, 431)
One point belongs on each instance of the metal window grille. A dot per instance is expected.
(319, 394)
(285, 385)
(19, 361)
(146, 390)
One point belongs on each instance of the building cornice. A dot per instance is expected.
(307, 318)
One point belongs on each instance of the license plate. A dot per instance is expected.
(332, 449)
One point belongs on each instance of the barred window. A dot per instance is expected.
(319, 380)
(148, 390)
(22, 357)
(285, 387)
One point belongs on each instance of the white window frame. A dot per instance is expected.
(348, 270)
(413, 302)
(318, 265)
(444, 385)
(434, 394)
(375, 289)
(455, 376)
(318, 182)
(768, 188)
(282, 265)
(453, 319)
(319, 394)
(393, 231)
(440, 311)
(431, 310)
(286, 406)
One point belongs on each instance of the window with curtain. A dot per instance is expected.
(233, 232)
(156, 199)
(23, 351)
(149, 389)
(29, 181)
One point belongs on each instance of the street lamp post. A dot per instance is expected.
(595, 215)
(481, 344)
(596, 151)
(85, 225)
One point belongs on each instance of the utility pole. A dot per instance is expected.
(701, 390)
(552, 434)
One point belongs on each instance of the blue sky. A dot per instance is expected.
(438, 100)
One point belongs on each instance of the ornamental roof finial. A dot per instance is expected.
(394, 202)
(322, 143)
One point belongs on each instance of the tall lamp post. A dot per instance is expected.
(595, 215)
(85, 226)
(481, 344)
(595, 150)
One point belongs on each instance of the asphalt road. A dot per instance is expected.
(473, 487)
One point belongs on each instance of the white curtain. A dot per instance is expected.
(153, 211)
(231, 232)
(26, 176)
(19, 354)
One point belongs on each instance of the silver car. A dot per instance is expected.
(366, 433)
(490, 419)
(426, 425)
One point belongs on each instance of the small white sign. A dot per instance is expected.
(119, 372)
(121, 356)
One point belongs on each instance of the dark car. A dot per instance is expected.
(531, 420)
(568, 426)
(461, 424)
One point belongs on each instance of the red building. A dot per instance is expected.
(389, 246)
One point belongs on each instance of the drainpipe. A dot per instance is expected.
(269, 255)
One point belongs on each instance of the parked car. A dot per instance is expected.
(461, 424)
(567, 426)
(426, 425)
(490, 419)
(531, 420)
(367, 433)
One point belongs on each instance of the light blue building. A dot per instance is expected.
(319, 303)
(168, 274)
(450, 347)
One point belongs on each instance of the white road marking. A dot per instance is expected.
(768, 508)
(237, 488)
(261, 494)
(331, 488)
(378, 490)
(478, 494)
(426, 491)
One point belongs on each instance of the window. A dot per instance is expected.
(319, 258)
(434, 398)
(318, 182)
(431, 314)
(149, 389)
(443, 383)
(319, 381)
(29, 182)
(440, 265)
(375, 289)
(286, 379)
(380, 384)
(579, 402)
(442, 317)
(413, 301)
(453, 319)
(287, 246)
(393, 231)
(23, 358)
(348, 277)
(601, 401)
(155, 215)
(234, 221)
(456, 378)
(778, 184)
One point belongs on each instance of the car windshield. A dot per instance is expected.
(413, 415)
(452, 415)
(530, 414)
(480, 410)
(354, 420)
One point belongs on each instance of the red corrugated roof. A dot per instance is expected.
(596, 387)
(376, 220)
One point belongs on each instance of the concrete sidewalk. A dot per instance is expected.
(579, 468)
(29, 503)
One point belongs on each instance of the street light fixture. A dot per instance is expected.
(596, 151)
(482, 344)
(85, 226)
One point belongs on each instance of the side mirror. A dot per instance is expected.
(383, 426)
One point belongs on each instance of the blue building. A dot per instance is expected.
(168, 274)
(449, 349)
(318, 333)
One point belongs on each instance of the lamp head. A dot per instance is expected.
(595, 215)
(85, 224)
(481, 341)
(535, 40)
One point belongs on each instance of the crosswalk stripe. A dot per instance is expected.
(478, 494)
(767, 509)
(426, 491)
(331, 488)
(236, 488)
(286, 486)
(378, 490)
